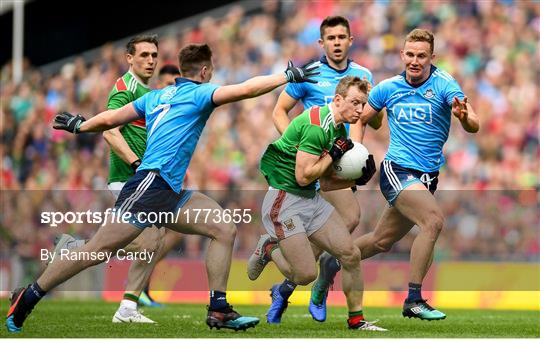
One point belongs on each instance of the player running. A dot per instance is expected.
(175, 117)
(420, 103)
(294, 212)
(335, 40)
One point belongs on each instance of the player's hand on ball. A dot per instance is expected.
(367, 172)
(459, 108)
(340, 146)
(67, 121)
(295, 74)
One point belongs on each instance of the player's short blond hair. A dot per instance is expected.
(420, 34)
(346, 82)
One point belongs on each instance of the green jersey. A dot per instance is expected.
(127, 89)
(314, 132)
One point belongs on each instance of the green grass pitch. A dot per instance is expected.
(63, 318)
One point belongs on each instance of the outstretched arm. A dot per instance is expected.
(103, 121)
(263, 84)
(466, 115)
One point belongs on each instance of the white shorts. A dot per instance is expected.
(285, 214)
(115, 188)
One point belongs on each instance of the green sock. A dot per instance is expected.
(357, 313)
(131, 297)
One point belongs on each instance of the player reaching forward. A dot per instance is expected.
(420, 103)
(175, 117)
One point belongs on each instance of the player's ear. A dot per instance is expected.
(129, 58)
(320, 42)
(204, 71)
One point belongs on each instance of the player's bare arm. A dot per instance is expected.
(463, 111)
(280, 115)
(329, 181)
(358, 129)
(118, 144)
(310, 167)
(105, 120)
(260, 85)
(250, 88)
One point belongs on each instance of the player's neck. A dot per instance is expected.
(336, 117)
(337, 66)
(416, 81)
(141, 80)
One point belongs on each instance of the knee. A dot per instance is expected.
(350, 257)
(434, 223)
(149, 240)
(351, 222)
(225, 232)
(382, 245)
(306, 277)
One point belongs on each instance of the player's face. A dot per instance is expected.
(417, 57)
(336, 42)
(144, 61)
(352, 104)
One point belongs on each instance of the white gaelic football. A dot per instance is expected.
(351, 164)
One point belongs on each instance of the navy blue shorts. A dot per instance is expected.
(395, 179)
(147, 197)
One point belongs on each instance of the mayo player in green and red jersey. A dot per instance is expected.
(128, 144)
(294, 212)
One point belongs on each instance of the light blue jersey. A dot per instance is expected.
(175, 117)
(418, 118)
(322, 93)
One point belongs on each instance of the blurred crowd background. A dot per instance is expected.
(488, 188)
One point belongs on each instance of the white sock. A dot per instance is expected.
(128, 304)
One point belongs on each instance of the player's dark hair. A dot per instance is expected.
(334, 21)
(192, 57)
(149, 38)
(420, 34)
(169, 69)
(346, 82)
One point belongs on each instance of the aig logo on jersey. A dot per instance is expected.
(413, 113)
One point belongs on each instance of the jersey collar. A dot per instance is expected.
(433, 69)
(324, 60)
(180, 81)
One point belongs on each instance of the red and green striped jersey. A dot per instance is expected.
(313, 131)
(127, 89)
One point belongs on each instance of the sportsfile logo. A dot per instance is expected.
(412, 113)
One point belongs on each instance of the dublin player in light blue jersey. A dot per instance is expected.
(420, 104)
(335, 40)
(175, 117)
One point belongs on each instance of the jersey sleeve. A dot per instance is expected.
(119, 99)
(295, 90)
(140, 104)
(205, 94)
(313, 140)
(377, 97)
(453, 90)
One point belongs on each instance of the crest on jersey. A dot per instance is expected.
(429, 94)
(289, 224)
